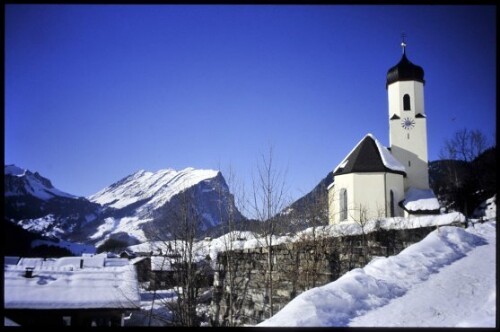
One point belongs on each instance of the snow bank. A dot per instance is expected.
(462, 294)
(487, 209)
(380, 282)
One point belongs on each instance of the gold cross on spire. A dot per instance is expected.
(403, 42)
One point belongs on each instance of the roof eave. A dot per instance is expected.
(387, 170)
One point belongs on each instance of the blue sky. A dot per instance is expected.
(94, 93)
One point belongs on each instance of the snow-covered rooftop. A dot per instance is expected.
(161, 263)
(369, 155)
(387, 158)
(420, 200)
(60, 283)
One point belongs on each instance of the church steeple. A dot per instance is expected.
(407, 119)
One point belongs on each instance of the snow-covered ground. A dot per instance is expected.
(446, 280)
(154, 310)
(461, 295)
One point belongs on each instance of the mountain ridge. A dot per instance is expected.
(121, 210)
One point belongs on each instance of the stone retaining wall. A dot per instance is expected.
(241, 291)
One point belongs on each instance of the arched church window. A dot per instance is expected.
(391, 203)
(343, 204)
(406, 102)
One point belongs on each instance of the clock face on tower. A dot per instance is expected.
(408, 123)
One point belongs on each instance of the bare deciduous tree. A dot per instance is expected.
(268, 200)
(312, 241)
(465, 145)
(188, 274)
(461, 176)
(180, 268)
(229, 286)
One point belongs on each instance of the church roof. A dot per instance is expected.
(405, 70)
(369, 155)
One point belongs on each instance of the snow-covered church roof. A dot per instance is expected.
(420, 201)
(69, 283)
(369, 155)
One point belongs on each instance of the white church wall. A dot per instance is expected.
(369, 200)
(366, 196)
(344, 181)
(395, 182)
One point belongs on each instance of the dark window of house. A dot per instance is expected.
(406, 102)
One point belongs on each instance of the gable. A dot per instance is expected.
(369, 156)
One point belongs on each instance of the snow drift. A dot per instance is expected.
(387, 280)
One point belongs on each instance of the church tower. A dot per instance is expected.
(407, 120)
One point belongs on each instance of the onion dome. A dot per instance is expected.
(405, 70)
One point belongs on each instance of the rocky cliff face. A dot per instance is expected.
(155, 206)
(140, 207)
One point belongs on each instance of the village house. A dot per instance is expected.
(91, 290)
(143, 267)
(164, 272)
(167, 272)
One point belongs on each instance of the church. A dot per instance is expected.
(373, 181)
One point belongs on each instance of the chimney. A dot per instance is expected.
(28, 272)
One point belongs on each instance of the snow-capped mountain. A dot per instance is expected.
(21, 182)
(149, 205)
(154, 188)
(32, 202)
(140, 207)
